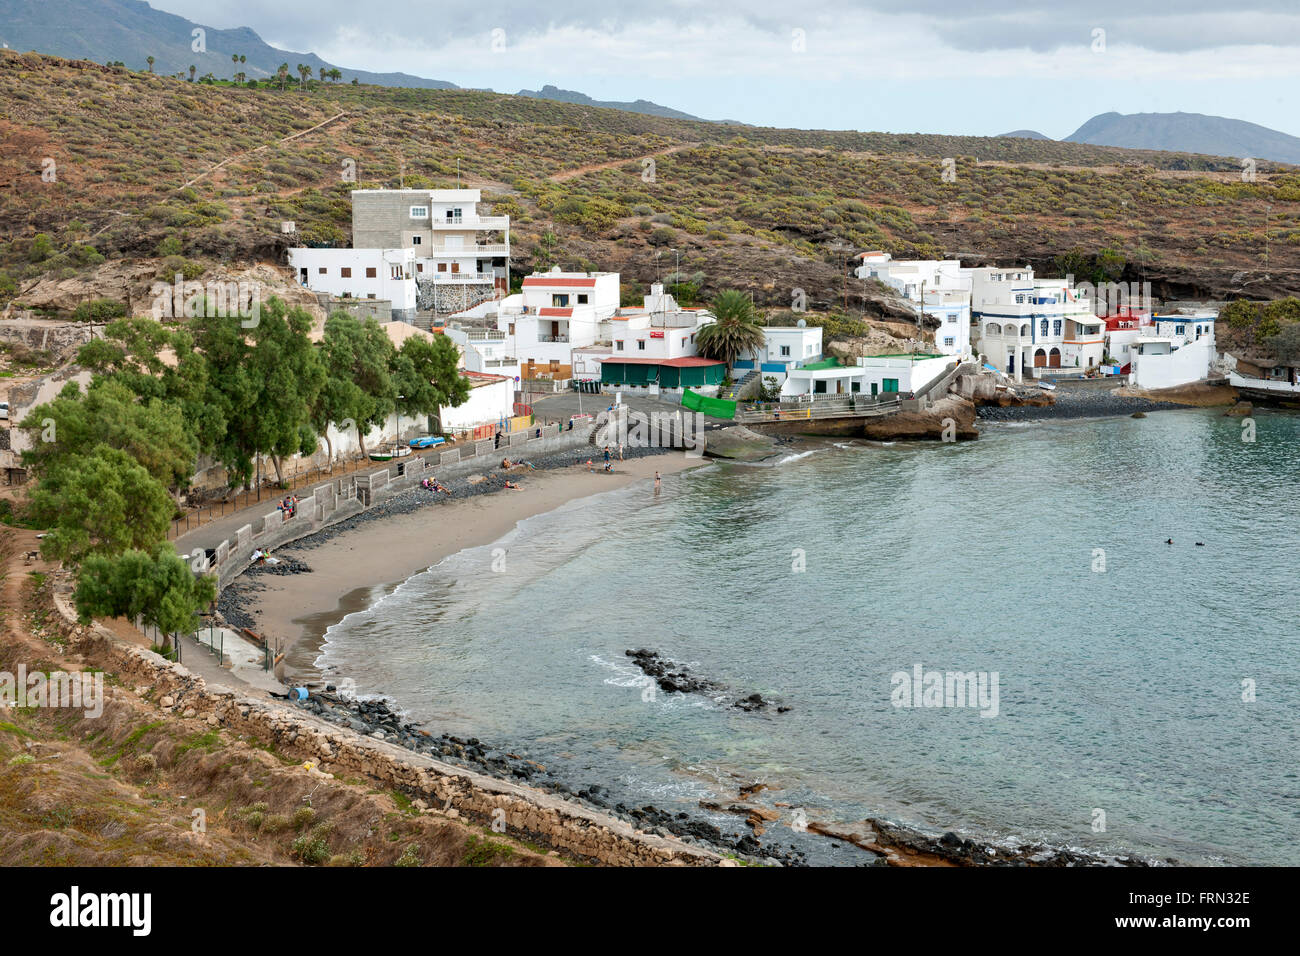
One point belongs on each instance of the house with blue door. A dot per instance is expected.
(786, 347)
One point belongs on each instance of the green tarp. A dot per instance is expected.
(713, 407)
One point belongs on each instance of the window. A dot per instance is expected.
(1056, 327)
(1178, 329)
(890, 385)
(346, 272)
(560, 300)
(1020, 300)
(1042, 329)
(683, 341)
(582, 298)
(419, 267)
(949, 341)
(395, 272)
(950, 318)
(416, 240)
(640, 345)
(618, 345)
(785, 351)
(321, 271)
(370, 272)
(370, 295)
(512, 328)
(419, 212)
(442, 267)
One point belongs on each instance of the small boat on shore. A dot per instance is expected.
(1047, 386)
(388, 454)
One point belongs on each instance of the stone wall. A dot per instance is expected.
(341, 498)
(530, 814)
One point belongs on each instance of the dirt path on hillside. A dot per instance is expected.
(278, 142)
(594, 167)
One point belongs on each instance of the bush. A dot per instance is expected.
(99, 311)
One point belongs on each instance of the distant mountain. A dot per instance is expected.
(131, 31)
(1188, 133)
(582, 99)
(1024, 134)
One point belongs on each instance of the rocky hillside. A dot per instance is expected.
(104, 163)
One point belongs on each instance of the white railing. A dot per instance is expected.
(470, 222)
(460, 276)
(483, 249)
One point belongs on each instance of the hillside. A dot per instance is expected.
(131, 31)
(1025, 134)
(151, 166)
(1189, 132)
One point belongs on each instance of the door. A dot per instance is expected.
(455, 267)
(1040, 358)
(875, 389)
(1054, 359)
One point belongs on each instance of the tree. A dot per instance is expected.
(304, 74)
(738, 328)
(336, 74)
(323, 73)
(357, 358)
(156, 586)
(283, 74)
(101, 503)
(152, 433)
(193, 69)
(150, 61)
(262, 383)
(427, 376)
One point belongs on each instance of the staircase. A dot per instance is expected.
(737, 388)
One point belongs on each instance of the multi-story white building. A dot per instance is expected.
(1039, 324)
(452, 242)
(786, 348)
(383, 274)
(555, 313)
(939, 287)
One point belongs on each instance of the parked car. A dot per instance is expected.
(426, 441)
(4, 409)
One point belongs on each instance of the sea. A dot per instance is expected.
(1127, 586)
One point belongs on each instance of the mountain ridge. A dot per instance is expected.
(1188, 132)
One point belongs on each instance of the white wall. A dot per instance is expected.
(489, 402)
(401, 292)
(1191, 363)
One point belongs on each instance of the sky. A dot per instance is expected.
(934, 66)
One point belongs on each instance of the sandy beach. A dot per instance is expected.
(347, 568)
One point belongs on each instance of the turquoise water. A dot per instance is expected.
(1119, 690)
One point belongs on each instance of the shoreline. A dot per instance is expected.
(337, 570)
(340, 569)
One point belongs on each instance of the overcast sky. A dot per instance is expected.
(942, 66)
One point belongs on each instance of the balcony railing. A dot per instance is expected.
(481, 249)
(552, 338)
(470, 222)
(459, 276)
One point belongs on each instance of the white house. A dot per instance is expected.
(875, 375)
(1179, 352)
(785, 348)
(386, 274)
(940, 287)
(1040, 324)
(557, 312)
(451, 241)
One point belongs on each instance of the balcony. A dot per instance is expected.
(552, 338)
(492, 249)
(470, 222)
(459, 276)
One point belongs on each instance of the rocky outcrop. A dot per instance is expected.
(951, 418)
(739, 444)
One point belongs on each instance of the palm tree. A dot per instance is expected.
(323, 73)
(336, 74)
(239, 78)
(283, 74)
(242, 58)
(738, 328)
(150, 61)
(193, 69)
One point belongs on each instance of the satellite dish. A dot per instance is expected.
(802, 323)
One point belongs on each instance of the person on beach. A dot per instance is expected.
(656, 482)
(606, 456)
(512, 486)
(609, 467)
(589, 468)
(620, 451)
